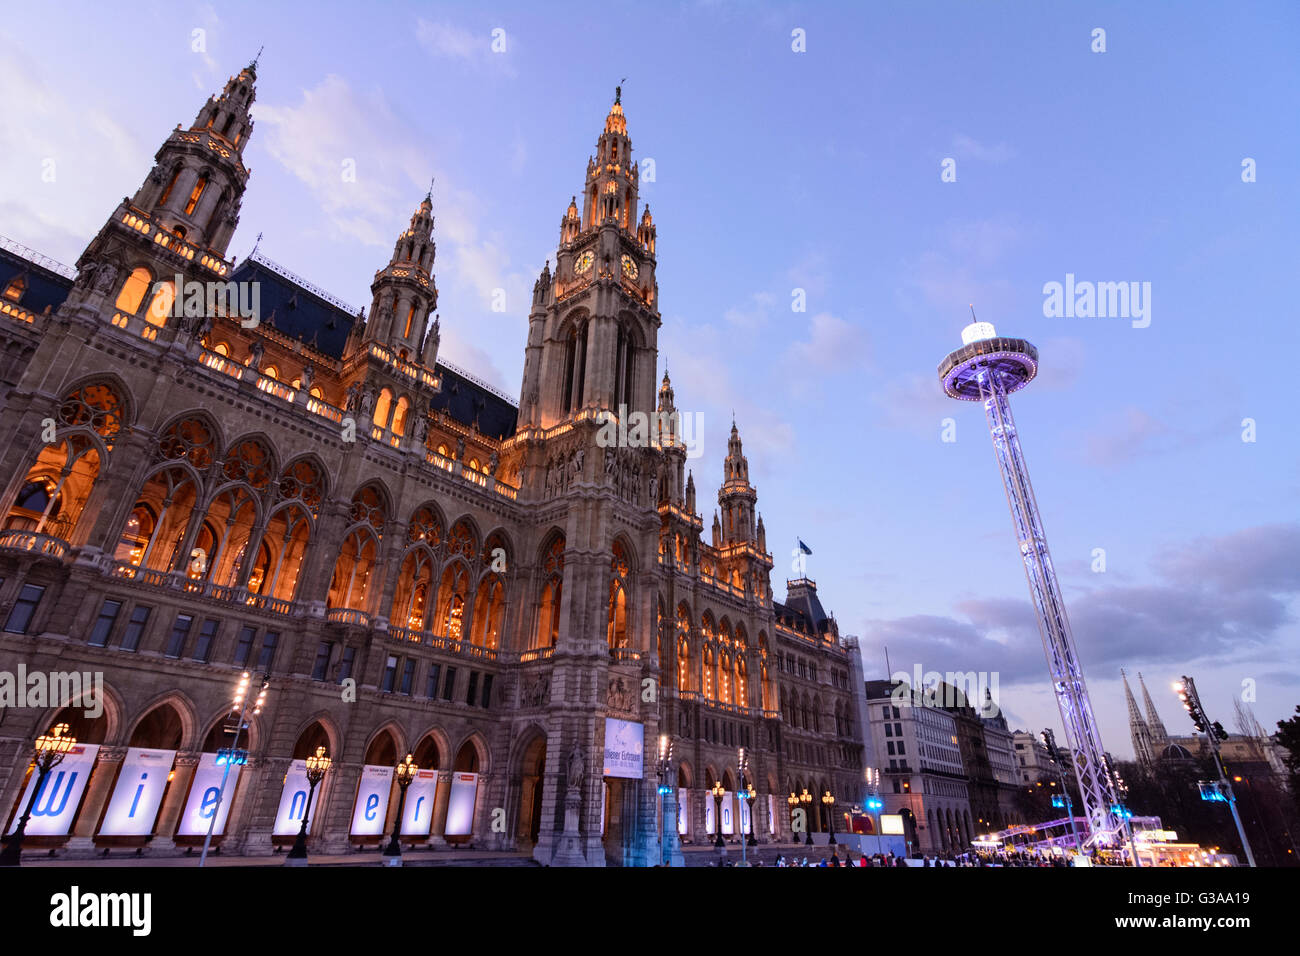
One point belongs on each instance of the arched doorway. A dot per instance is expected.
(532, 769)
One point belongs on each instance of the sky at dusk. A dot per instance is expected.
(820, 171)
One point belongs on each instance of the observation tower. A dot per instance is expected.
(988, 368)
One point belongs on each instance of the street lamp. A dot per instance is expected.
(51, 748)
(317, 766)
(806, 798)
(750, 793)
(232, 754)
(828, 803)
(742, 765)
(717, 792)
(406, 771)
(792, 801)
(667, 796)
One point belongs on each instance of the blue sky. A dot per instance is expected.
(778, 170)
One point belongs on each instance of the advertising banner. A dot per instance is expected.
(417, 817)
(891, 823)
(138, 793)
(56, 804)
(624, 748)
(460, 804)
(727, 805)
(682, 803)
(710, 813)
(370, 812)
(293, 801)
(204, 793)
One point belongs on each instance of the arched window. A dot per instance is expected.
(489, 611)
(354, 569)
(382, 409)
(15, 289)
(452, 594)
(399, 416)
(616, 625)
(160, 307)
(196, 194)
(133, 290)
(548, 610)
(413, 598)
(683, 648)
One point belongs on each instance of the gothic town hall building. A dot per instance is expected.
(416, 563)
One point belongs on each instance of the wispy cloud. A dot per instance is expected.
(967, 147)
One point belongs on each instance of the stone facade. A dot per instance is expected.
(195, 488)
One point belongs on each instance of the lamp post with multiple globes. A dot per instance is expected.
(828, 802)
(406, 771)
(750, 794)
(317, 766)
(717, 792)
(51, 748)
(806, 800)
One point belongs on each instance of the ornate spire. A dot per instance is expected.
(1138, 729)
(1158, 734)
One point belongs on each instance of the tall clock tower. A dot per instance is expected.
(593, 330)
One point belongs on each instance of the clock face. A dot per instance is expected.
(584, 262)
(629, 267)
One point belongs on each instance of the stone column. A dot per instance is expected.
(173, 803)
(107, 763)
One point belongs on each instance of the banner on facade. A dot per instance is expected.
(771, 813)
(460, 804)
(726, 813)
(682, 803)
(746, 825)
(417, 817)
(138, 794)
(205, 791)
(56, 805)
(370, 812)
(293, 801)
(624, 748)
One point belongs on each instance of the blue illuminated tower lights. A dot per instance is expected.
(988, 368)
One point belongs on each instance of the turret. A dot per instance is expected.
(404, 290)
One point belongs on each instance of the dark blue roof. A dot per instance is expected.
(295, 311)
(44, 287)
(470, 403)
(801, 601)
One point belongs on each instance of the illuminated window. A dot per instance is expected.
(132, 294)
(399, 416)
(14, 291)
(410, 318)
(382, 408)
(316, 392)
(168, 191)
(161, 306)
(221, 348)
(271, 372)
(197, 192)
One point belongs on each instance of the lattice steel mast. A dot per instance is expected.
(988, 369)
